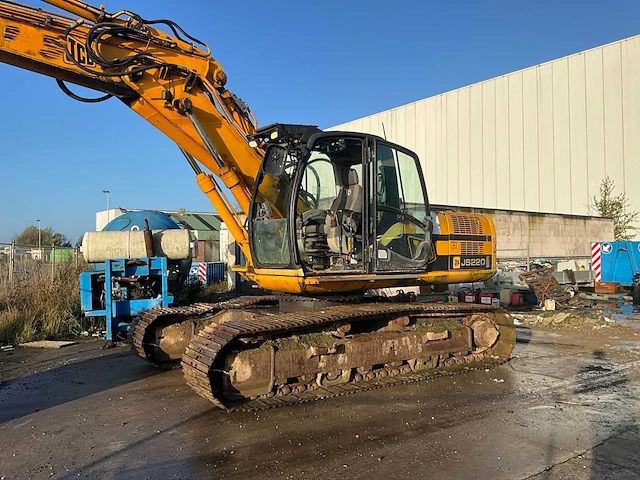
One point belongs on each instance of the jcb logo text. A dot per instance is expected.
(78, 52)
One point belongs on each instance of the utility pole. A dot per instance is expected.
(107, 192)
(39, 241)
(12, 259)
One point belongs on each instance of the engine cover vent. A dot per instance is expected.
(466, 224)
(470, 248)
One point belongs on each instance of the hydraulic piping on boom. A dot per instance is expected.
(329, 216)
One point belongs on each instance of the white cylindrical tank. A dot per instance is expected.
(99, 246)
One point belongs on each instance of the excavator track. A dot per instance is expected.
(139, 339)
(203, 362)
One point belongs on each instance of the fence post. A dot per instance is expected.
(528, 259)
(77, 255)
(53, 262)
(12, 259)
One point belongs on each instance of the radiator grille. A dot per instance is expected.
(466, 224)
(470, 248)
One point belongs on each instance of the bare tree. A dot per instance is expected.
(615, 207)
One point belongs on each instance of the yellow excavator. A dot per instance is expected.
(325, 219)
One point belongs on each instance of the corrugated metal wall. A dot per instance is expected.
(539, 139)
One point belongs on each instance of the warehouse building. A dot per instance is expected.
(531, 147)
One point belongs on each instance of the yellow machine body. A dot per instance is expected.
(176, 85)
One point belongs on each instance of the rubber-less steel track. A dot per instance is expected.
(138, 335)
(202, 359)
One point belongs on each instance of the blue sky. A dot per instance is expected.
(320, 62)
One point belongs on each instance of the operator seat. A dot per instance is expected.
(345, 214)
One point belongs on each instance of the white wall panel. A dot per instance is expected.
(464, 148)
(595, 119)
(530, 140)
(503, 167)
(631, 113)
(452, 146)
(475, 142)
(578, 134)
(546, 177)
(441, 152)
(489, 143)
(430, 166)
(613, 141)
(409, 127)
(516, 143)
(561, 137)
(539, 139)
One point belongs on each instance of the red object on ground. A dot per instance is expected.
(516, 298)
(468, 296)
(609, 287)
(486, 298)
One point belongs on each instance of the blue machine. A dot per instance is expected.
(135, 221)
(620, 261)
(121, 288)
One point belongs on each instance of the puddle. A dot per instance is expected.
(621, 312)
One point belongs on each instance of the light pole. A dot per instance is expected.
(39, 241)
(107, 192)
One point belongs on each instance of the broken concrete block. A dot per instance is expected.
(444, 335)
(48, 344)
(560, 317)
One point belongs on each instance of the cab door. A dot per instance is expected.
(400, 224)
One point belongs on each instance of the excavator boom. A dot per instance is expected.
(170, 80)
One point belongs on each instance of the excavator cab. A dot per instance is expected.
(337, 202)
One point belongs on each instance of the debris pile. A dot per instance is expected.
(578, 320)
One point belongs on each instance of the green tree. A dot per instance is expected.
(29, 236)
(615, 207)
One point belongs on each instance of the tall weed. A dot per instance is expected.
(39, 306)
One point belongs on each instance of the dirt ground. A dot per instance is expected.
(567, 406)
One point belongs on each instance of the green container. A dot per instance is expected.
(61, 254)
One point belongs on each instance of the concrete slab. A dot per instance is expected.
(49, 344)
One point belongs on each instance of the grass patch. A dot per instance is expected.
(37, 306)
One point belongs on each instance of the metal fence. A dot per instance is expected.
(20, 261)
(520, 259)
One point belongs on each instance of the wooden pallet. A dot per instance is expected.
(545, 286)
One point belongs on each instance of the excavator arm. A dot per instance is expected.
(171, 80)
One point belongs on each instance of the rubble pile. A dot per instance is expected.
(579, 320)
